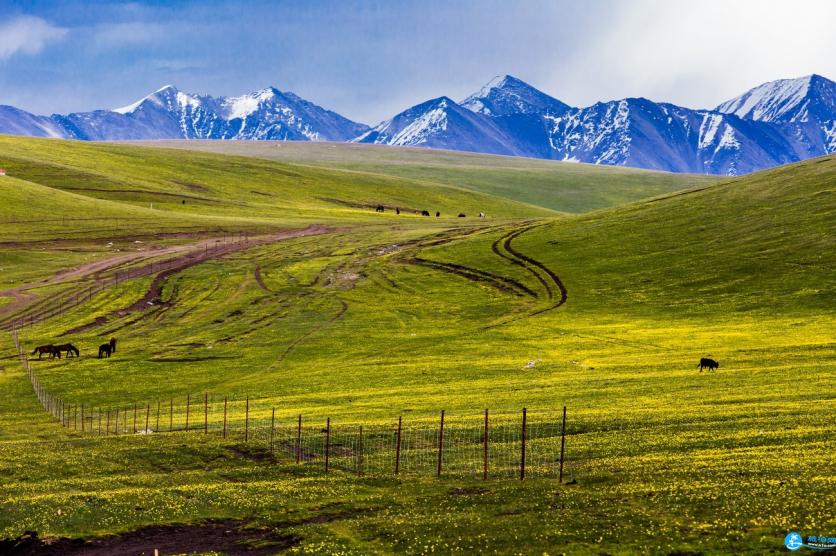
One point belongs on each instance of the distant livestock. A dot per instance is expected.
(481, 215)
(462, 215)
(71, 350)
(379, 208)
(48, 349)
(425, 213)
(105, 350)
(437, 214)
(710, 364)
(397, 211)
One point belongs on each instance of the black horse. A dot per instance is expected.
(425, 213)
(379, 208)
(48, 349)
(397, 210)
(437, 214)
(710, 364)
(462, 215)
(105, 350)
(113, 345)
(69, 348)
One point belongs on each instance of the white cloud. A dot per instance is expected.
(27, 35)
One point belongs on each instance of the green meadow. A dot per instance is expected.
(595, 288)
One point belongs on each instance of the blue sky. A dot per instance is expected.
(369, 60)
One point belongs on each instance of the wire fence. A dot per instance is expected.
(487, 445)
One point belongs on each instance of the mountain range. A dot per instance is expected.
(775, 123)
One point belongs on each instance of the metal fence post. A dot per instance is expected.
(522, 455)
(327, 442)
(440, 445)
(562, 444)
(485, 450)
(398, 447)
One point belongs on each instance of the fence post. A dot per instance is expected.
(485, 450)
(147, 415)
(247, 420)
(562, 444)
(157, 426)
(206, 413)
(440, 444)
(225, 399)
(171, 415)
(116, 424)
(100, 421)
(82, 417)
(327, 442)
(299, 440)
(398, 446)
(272, 428)
(188, 406)
(522, 455)
(360, 453)
(134, 418)
(107, 428)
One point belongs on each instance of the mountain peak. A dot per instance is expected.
(782, 100)
(505, 95)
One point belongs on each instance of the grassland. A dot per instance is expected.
(561, 186)
(374, 319)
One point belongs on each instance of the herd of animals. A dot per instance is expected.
(106, 350)
(381, 208)
(69, 350)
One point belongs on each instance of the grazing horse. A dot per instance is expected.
(710, 364)
(462, 215)
(397, 210)
(425, 213)
(40, 350)
(69, 348)
(105, 349)
(437, 214)
(113, 345)
(379, 208)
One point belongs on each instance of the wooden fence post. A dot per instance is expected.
(82, 417)
(485, 450)
(206, 413)
(299, 440)
(522, 454)
(116, 424)
(134, 418)
(157, 427)
(247, 420)
(100, 421)
(360, 453)
(147, 416)
(225, 399)
(171, 415)
(440, 444)
(327, 442)
(272, 428)
(562, 444)
(188, 406)
(398, 446)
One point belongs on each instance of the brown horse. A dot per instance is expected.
(105, 350)
(48, 349)
(69, 348)
(113, 345)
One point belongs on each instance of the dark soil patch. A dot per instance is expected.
(253, 453)
(226, 536)
(467, 491)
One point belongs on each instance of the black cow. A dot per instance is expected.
(710, 364)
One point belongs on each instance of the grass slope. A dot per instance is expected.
(207, 184)
(561, 186)
(382, 319)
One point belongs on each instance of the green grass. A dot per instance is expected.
(667, 458)
(561, 186)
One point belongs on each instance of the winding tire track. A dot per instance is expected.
(507, 285)
(311, 332)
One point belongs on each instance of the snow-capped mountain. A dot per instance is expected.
(172, 114)
(805, 109)
(775, 123)
(507, 95)
(512, 117)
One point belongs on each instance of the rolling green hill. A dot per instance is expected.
(560, 186)
(606, 312)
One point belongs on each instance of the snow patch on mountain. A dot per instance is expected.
(772, 101)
